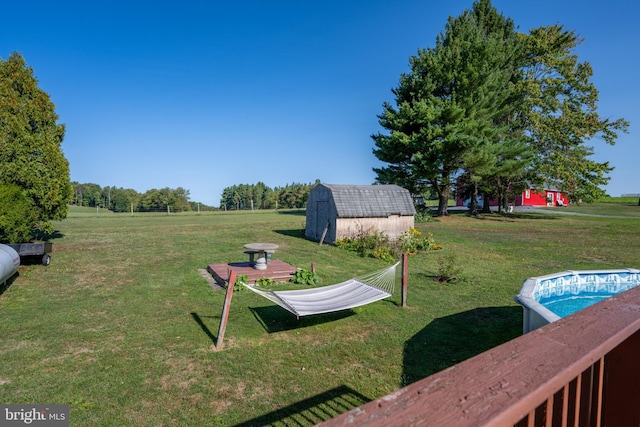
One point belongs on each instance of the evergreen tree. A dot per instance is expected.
(30, 144)
(451, 107)
(498, 109)
(16, 222)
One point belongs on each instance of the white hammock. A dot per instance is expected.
(342, 296)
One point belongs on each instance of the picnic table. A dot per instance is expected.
(263, 250)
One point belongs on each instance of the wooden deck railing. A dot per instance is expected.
(583, 370)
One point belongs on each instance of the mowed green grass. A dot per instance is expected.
(122, 325)
(626, 207)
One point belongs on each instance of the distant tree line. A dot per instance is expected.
(126, 200)
(260, 196)
(236, 197)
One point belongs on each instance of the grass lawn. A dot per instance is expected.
(630, 209)
(122, 325)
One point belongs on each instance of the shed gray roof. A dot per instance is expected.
(358, 201)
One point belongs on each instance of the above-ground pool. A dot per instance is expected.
(545, 299)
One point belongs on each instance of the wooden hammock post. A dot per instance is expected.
(225, 309)
(405, 270)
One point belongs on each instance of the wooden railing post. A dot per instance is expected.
(225, 310)
(622, 384)
(405, 270)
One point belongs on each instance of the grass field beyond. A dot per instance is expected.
(122, 324)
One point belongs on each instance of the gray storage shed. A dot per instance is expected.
(336, 211)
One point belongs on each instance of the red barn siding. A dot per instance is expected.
(545, 198)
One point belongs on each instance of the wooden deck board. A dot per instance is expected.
(277, 270)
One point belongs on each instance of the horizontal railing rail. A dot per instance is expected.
(583, 370)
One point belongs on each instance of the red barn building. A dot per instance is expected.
(550, 196)
(547, 197)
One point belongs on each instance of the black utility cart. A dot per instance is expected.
(32, 251)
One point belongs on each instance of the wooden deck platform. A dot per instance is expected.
(277, 270)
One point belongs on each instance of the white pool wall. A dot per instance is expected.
(572, 282)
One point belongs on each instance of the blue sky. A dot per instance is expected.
(208, 94)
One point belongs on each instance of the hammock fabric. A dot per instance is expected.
(342, 296)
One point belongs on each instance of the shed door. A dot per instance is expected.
(322, 216)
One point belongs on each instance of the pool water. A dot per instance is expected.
(565, 306)
(551, 297)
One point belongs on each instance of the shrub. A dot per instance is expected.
(348, 243)
(376, 244)
(305, 277)
(240, 278)
(17, 219)
(448, 268)
(367, 243)
(413, 241)
(265, 282)
(383, 253)
(423, 216)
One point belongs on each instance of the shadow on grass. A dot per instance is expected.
(498, 216)
(292, 233)
(204, 327)
(511, 217)
(311, 411)
(450, 340)
(296, 212)
(47, 237)
(522, 215)
(276, 319)
(7, 283)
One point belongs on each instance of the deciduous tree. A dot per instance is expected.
(561, 114)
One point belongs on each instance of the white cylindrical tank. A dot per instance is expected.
(9, 262)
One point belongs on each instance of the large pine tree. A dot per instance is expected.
(452, 109)
(494, 109)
